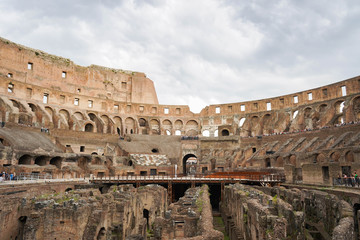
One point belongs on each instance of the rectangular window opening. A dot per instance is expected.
(10, 88)
(324, 91)
(153, 110)
(30, 66)
(82, 148)
(229, 108)
(63, 74)
(178, 111)
(296, 99)
(123, 85)
(166, 110)
(62, 98)
(268, 106)
(9, 75)
(255, 106)
(343, 90)
(141, 109)
(310, 96)
(116, 108)
(90, 103)
(45, 98)
(282, 101)
(29, 92)
(217, 110)
(242, 107)
(76, 101)
(128, 108)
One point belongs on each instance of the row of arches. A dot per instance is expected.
(48, 117)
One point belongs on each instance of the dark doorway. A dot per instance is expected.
(215, 196)
(143, 173)
(89, 127)
(146, 216)
(325, 173)
(118, 131)
(179, 190)
(225, 132)
(267, 163)
(186, 157)
(152, 172)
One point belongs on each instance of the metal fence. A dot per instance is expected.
(32, 176)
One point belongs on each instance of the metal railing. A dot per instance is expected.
(347, 182)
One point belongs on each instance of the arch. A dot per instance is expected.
(320, 158)
(279, 162)
(102, 234)
(33, 107)
(307, 112)
(65, 117)
(167, 126)
(349, 156)
(15, 104)
(356, 107)
(146, 216)
(295, 113)
(4, 142)
(129, 125)
(185, 159)
(41, 160)
(225, 132)
(83, 162)
(241, 122)
(155, 126)
(339, 106)
(206, 133)
(24, 119)
(142, 122)
(25, 160)
(56, 161)
(118, 125)
(96, 161)
(108, 124)
(334, 157)
(167, 132)
(178, 125)
(89, 127)
(267, 128)
(292, 160)
(96, 120)
(322, 108)
(79, 116)
(191, 128)
(177, 132)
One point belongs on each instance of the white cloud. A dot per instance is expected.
(198, 52)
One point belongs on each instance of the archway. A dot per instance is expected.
(192, 161)
(89, 127)
(56, 161)
(41, 160)
(225, 132)
(25, 160)
(146, 216)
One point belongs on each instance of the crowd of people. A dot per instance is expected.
(4, 176)
(350, 181)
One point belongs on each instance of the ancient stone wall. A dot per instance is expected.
(80, 213)
(189, 218)
(279, 213)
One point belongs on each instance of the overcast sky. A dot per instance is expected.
(199, 52)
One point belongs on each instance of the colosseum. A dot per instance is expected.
(89, 153)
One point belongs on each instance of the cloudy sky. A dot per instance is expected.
(199, 52)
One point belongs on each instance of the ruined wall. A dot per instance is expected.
(189, 218)
(279, 213)
(81, 213)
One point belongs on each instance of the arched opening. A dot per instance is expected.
(178, 133)
(102, 234)
(334, 157)
(96, 161)
(83, 162)
(56, 161)
(96, 120)
(241, 122)
(22, 222)
(206, 133)
(279, 162)
(168, 132)
(89, 127)
(4, 142)
(154, 150)
(349, 157)
(267, 162)
(41, 160)
(146, 216)
(130, 163)
(142, 122)
(189, 161)
(25, 160)
(68, 189)
(118, 131)
(213, 164)
(225, 132)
